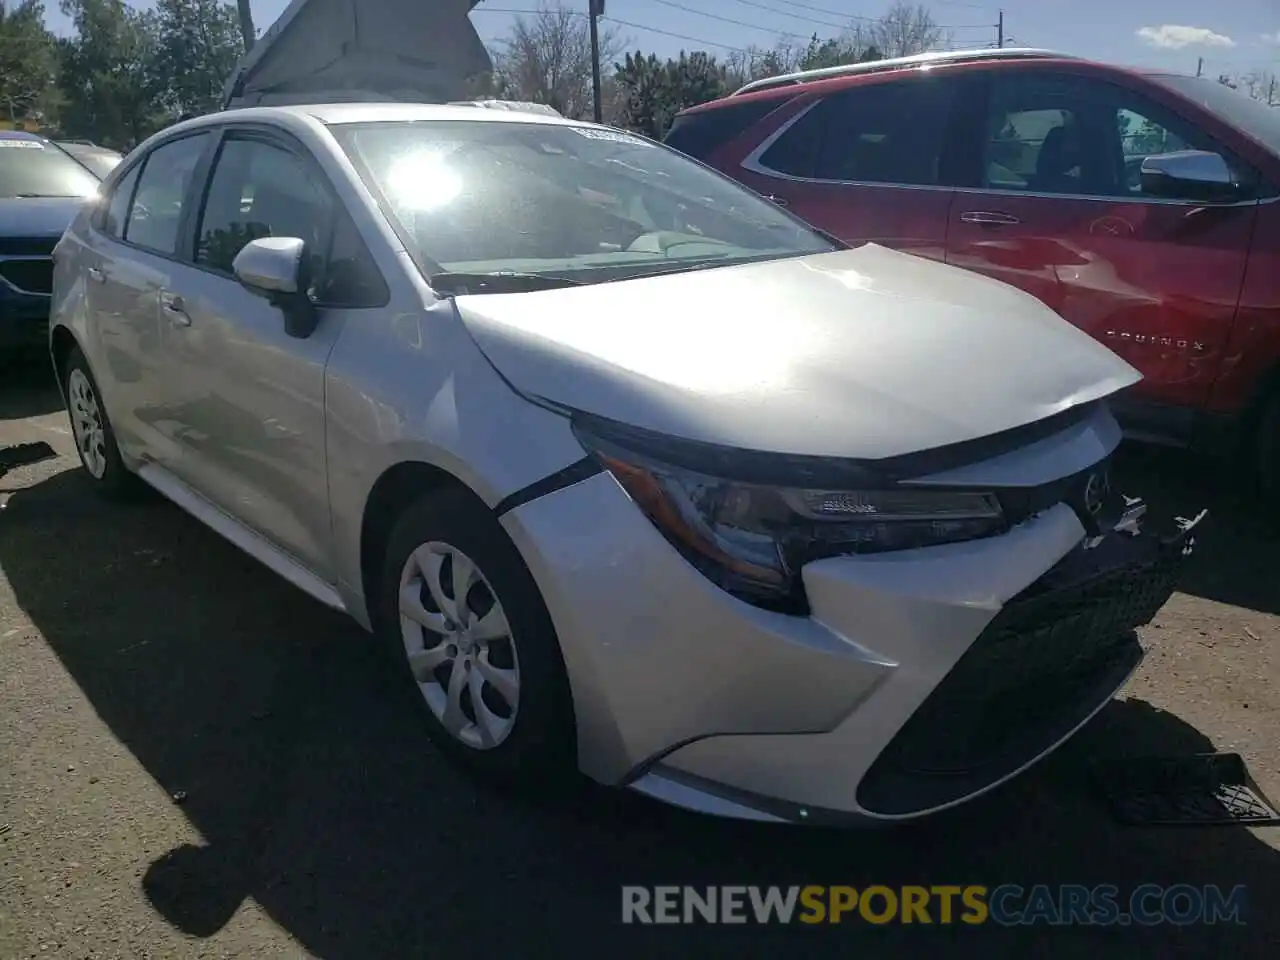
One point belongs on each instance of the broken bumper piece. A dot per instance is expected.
(1052, 658)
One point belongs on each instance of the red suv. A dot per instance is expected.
(1140, 206)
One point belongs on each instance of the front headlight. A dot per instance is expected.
(752, 538)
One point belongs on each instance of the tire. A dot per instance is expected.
(526, 744)
(91, 428)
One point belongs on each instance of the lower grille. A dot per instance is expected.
(31, 275)
(1039, 669)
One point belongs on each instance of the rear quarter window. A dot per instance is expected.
(699, 134)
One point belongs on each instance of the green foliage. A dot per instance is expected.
(126, 73)
(837, 51)
(28, 62)
(107, 73)
(653, 92)
(198, 44)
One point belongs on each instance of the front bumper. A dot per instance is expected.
(920, 679)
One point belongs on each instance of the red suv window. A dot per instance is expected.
(871, 133)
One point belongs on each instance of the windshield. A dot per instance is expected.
(99, 161)
(550, 201)
(1251, 116)
(29, 168)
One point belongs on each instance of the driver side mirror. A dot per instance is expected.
(1190, 175)
(277, 268)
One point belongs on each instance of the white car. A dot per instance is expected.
(636, 474)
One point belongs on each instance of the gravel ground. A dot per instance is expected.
(198, 761)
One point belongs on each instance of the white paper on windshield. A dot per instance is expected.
(614, 136)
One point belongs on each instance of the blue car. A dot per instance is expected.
(41, 188)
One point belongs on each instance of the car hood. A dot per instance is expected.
(37, 216)
(864, 353)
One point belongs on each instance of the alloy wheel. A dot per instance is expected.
(459, 646)
(87, 423)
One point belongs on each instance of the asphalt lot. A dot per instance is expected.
(142, 659)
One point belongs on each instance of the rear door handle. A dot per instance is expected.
(175, 309)
(97, 276)
(989, 218)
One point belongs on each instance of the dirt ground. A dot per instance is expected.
(196, 760)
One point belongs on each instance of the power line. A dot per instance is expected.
(678, 36)
(625, 23)
(794, 16)
(716, 16)
(846, 17)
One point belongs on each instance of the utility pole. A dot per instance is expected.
(1271, 92)
(1000, 30)
(596, 10)
(1200, 67)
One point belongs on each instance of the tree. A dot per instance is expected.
(28, 61)
(112, 94)
(546, 58)
(905, 30)
(1260, 85)
(654, 92)
(198, 44)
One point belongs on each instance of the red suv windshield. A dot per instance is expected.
(1251, 116)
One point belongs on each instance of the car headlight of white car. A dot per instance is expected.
(750, 528)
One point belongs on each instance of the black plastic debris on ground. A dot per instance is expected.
(24, 455)
(1198, 790)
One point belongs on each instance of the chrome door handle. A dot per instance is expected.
(97, 276)
(778, 201)
(175, 310)
(988, 218)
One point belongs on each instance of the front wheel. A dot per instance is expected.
(474, 641)
(91, 428)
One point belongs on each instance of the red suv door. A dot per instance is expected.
(867, 162)
(1058, 210)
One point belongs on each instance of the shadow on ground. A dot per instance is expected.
(319, 798)
(27, 385)
(1238, 555)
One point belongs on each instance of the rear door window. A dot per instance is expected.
(893, 133)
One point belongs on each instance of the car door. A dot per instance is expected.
(1057, 208)
(255, 434)
(132, 247)
(872, 162)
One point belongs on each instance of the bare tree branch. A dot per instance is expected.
(546, 58)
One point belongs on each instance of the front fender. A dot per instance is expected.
(414, 388)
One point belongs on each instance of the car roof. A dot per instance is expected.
(915, 61)
(337, 114)
(21, 135)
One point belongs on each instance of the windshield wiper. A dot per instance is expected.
(46, 196)
(501, 281)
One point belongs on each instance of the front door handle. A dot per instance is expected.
(174, 309)
(97, 276)
(989, 218)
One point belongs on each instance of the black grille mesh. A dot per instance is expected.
(1040, 662)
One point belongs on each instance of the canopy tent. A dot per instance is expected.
(344, 50)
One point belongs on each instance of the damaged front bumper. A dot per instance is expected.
(1052, 657)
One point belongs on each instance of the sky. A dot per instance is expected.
(1232, 36)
